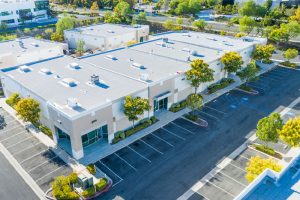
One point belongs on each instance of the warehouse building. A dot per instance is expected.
(106, 36)
(82, 99)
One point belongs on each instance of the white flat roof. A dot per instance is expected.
(107, 30)
(55, 81)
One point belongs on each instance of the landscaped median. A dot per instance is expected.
(120, 135)
(247, 89)
(76, 186)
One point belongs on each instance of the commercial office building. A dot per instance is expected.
(106, 36)
(84, 97)
(15, 12)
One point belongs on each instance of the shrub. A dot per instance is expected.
(267, 150)
(13, 100)
(153, 119)
(218, 86)
(91, 168)
(245, 87)
(175, 107)
(61, 189)
(46, 130)
(73, 178)
(89, 192)
(289, 64)
(101, 184)
(191, 117)
(143, 124)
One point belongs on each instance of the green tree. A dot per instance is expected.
(199, 24)
(285, 32)
(248, 73)
(290, 132)
(62, 190)
(29, 110)
(142, 16)
(80, 47)
(3, 26)
(232, 61)
(247, 24)
(250, 8)
(170, 25)
(290, 54)
(263, 52)
(182, 8)
(257, 165)
(199, 73)
(194, 101)
(268, 127)
(95, 8)
(13, 100)
(195, 6)
(122, 12)
(57, 37)
(64, 23)
(133, 107)
(179, 21)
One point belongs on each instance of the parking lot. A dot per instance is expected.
(35, 158)
(167, 162)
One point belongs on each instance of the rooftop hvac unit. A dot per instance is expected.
(85, 180)
(74, 66)
(165, 40)
(69, 82)
(185, 49)
(45, 71)
(110, 31)
(111, 57)
(34, 44)
(25, 69)
(186, 34)
(144, 77)
(72, 102)
(193, 53)
(94, 79)
(138, 65)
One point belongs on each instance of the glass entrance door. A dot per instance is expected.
(161, 104)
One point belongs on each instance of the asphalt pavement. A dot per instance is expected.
(166, 163)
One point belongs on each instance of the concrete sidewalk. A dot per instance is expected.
(102, 150)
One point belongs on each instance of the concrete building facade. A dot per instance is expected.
(15, 12)
(82, 99)
(105, 37)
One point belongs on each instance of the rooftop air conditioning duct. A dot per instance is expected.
(94, 79)
(74, 66)
(144, 77)
(72, 102)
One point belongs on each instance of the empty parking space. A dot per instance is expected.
(213, 192)
(34, 157)
(144, 150)
(116, 179)
(187, 126)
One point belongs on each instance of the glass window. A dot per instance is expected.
(94, 136)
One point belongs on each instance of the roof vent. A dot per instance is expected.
(110, 31)
(25, 69)
(94, 79)
(193, 53)
(138, 65)
(185, 49)
(144, 77)
(74, 66)
(165, 40)
(45, 71)
(69, 82)
(111, 57)
(34, 44)
(186, 34)
(72, 102)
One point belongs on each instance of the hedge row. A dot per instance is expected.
(175, 107)
(120, 135)
(47, 131)
(218, 86)
(245, 87)
(191, 117)
(267, 150)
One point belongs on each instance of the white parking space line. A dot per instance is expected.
(110, 170)
(170, 132)
(33, 156)
(222, 189)
(209, 115)
(13, 135)
(17, 126)
(41, 164)
(135, 169)
(202, 195)
(150, 146)
(37, 180)
(162, 140)
(138, 154)
(19, 142)
(232, 178)
(183, 127)
(26, 148)
(215, 109)
(243, 156)
(237, 166)
(8, 122)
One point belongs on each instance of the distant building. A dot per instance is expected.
(106, 36)
(82, 99)
(27, 49)
(15, 12)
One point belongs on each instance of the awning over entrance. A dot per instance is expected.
(162, 96)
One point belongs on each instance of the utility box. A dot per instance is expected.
(85, 180)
